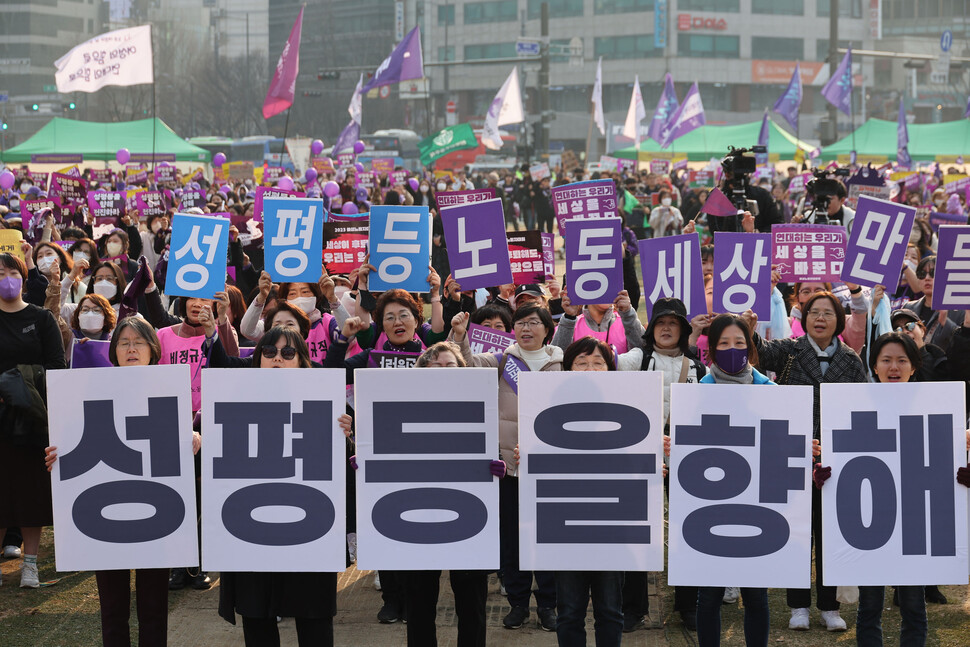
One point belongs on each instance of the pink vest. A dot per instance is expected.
(184, 350)
(615, 336)
(318, 341)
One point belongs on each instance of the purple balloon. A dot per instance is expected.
(311, 175)
(285, 183)
(348, 209)
(7, 180)
(122, 156)
(359, 147)
(359, 167)
(219, 159)
(316, 147)
(225, 188)
(361, 194)
(414, 184)
(331, 189)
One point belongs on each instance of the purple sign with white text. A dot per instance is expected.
(877, 244)
(951, 285)
(106, 206)
(67, 187)
(594, 260)
(808, 252)
(549, 255)
(742, 273)
(937, 218)
(165, 174)
(263, 192)
(452, 198)
(477, 247)
(584, 200)
(192, 199)
(30, 208)
(671, 267)
(150, 203)
(488, 340)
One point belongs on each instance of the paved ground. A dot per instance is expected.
(194, 620)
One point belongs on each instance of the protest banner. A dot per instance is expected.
(366, 180)
(238, 171)
(399, 177)
(272, 175)
(594, 261)
(123, 486)
(936, 219)
(322, 164)
(808, 252)
(197, 262)
(742, 273)
(150, 203)
(660, 167)
(263, 192)
(345, 160)
(11, 241)
(584, 200)
(549, 255)
(892, 498)
(798, 183)
(165, 174)
(293, 238)
(192, 199)
(951, 285)
(671, 267)
(67, 187)
(539, 171)
(877, 243)
(590, 478)
(30, 211)
(119, 57)
(106, 206)
(478, 251)
(345, 244)
(857, 191)
(609, 163)
(100, 175)
(700, 179)
(90, 353)
(482, 339)
(425, 496)
(291, 469)
(136, 174)
(382, 165)
(525, 254)
(625, 165)
(400, 248)
(453, 198)
(740, 487)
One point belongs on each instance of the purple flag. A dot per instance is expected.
(478, 250)
(279, 97)
(488, 340)
(789, 102)
(348, 136)
(594, 260)
(671, 267)
(808, 252)
(718, 204)
(966, 113)
(951, 287)
(742, 273)
(404, 63)
(666, 108)
(689, 116)
(763, 134)
(938, 218)
(877, 244)
(902, 138)
(838, 90)
(91, 354)
(581, 200)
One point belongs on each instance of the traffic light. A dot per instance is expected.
(4, 125)
(329, 75)
(71, 106)
(35, 107)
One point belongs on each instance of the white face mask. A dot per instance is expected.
(24, 186)
(339, 291)
(424, 188)
(441, 186)
(349, 303)
(914, 235)
(91, 321)
(666, 202)
(80, 256)
(107, 289)
(113, 249)
(44, 263)
(306, 304)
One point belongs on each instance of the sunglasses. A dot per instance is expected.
(921, 274)
(908, 327)
(288, 352)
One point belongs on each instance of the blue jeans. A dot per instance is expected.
(573, 591)
(709, 600)
(912, 609)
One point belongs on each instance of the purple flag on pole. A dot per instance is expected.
(348, 136)
(689, 116)
(91, 354)
(789, 102)
(666, 108)
(672, 268)
(742, 273)
(951, 287)
(762, 158)
(404, 63)
(877, 243)
(718, 204)
(838, 90)
(279, 97)
(478, 250)
(966, 113)
(902, 138)
(594, 260)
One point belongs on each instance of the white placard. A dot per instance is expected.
(894, 450)
(120, 57)
(591, 475)
(273, 470)
(425, 496)
(123, 485)
(740, 485)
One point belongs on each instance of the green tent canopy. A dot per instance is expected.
(101, 141)
(926, 141)
(712, 141)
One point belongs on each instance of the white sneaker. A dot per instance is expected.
(833, 621)
(731, 594)
(377, 580)
(799, 620)
(352, 545)
(12, 552)
(28, 576)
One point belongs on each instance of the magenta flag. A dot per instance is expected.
(279, 97)
(718, 204)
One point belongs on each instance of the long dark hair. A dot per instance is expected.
(722, 323)
(292, 339)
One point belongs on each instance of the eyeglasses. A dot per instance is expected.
(921, 274)
(530, 323)
(404, 317)
(105, 277)
(821, 314)
(288, 352)
(908, 327)
(807, 291)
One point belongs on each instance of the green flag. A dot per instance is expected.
(452, 138)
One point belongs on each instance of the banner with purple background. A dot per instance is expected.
(106, 206)
(478, 251)
(549, 255)
(150, 203)
(263, 192)
(67, 187)
(951, 285)
(877, 243)
(192, 198)
(452, 198)
(584, 200)
(482, 339)
(742, 273)
(671, 267)
(594, 260)
(808, 252)
(937, 218)
(30, 208)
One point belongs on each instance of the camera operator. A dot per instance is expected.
(825, 204)
(738, 165)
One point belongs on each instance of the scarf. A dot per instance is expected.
(744, 377)
(824, 356)
(668, 352)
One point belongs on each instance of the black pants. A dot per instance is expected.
(518, 584)
(12, 538)
(393, 589)
(151, 599)
(824, 595)
(635, 600)
(310, 632)
(685, 598)
(471, 591)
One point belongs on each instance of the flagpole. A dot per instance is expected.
(589, 137)
(286, 127)
(151, 38)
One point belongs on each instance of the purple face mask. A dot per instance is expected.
(731, 360)
(11, 287)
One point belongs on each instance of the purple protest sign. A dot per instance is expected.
(488, 340)
(383, 165)
(151, 158)
(93, 353)
(594, 260)
(808, 252)
(40, 179)
(671, 267)
(136, 174)
(263, 192)
(660, 167)
(399, 177)
(584, 200)
(165, 174)
(525, 252)
(951, 285)
(192, 199)
(549, 255)
(150, 203)
(625, 165)
(477, 248)
(272, 174)
(452, 198)
(742, 273)
(345, 160)
(877, 244)
(30, 208)
(106, 206)
(957, 185)
(67, 187)
(102, 175)
(937, 218)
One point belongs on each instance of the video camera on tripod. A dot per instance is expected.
(821, 189)
(738, 166)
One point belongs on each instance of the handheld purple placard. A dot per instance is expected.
(594, 261)
(272, 174)
(583, 200)
(453, 198)
(672, 268)
(106, 206)
(263, 192)
(383, 165)
(192, 199)
(877, 244)
(742, 273)
(488, 340)
(951, 284)
(808, 252)
(549, 255)
(150, 203)
(938, 218)
(478, 251)
(165, 174)
(91, 354)
(525, 252)
(30, 208)
(67, 187)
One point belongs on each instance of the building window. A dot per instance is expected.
(928, 9)
(781, 7)
(777, 49)
(729, 6)
(614, 47)
(446, 53)
(446, 15)
(715, 96)
(496, 11)
(490, 50)
(621, 6)
(848, 8)
(704, 46)
(822, 48)
(557, 8)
